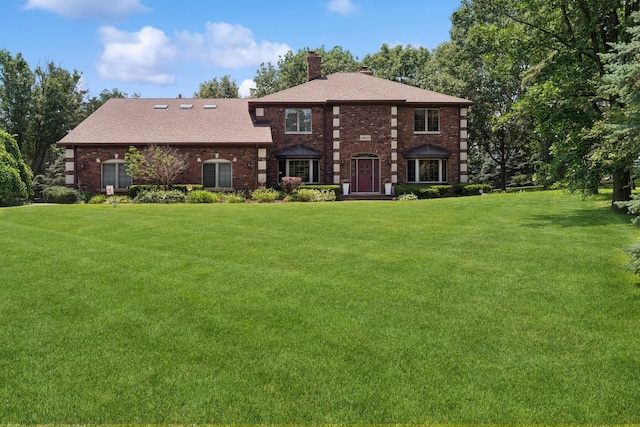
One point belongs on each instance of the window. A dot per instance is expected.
(307, 169)
(427, 170)
(216, 174)
(297, 120)
(115, 174)
(426, 120)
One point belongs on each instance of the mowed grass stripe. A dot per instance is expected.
(494, 309)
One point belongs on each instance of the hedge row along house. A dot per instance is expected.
(342, 127)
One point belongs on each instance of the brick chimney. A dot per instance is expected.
(314, 68)
(365, 70)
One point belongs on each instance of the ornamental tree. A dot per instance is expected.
(155, 164)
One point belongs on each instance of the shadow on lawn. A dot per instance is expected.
(580, 218)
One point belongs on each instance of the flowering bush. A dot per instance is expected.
(290, 183)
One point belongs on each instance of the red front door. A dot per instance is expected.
(364, 175)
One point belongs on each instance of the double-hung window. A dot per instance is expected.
(297, 120)
(114, 174)
(306, 169)
(216, 174)
(427, 170)
(426, 120)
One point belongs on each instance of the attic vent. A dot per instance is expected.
(160, 106)
(186, 106)
(210, 106)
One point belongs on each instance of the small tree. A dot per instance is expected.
(155, 164)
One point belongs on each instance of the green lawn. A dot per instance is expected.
(506, 308)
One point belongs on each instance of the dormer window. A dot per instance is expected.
(297, 120)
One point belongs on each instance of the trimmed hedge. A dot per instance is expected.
(59, 194)
(436, 191)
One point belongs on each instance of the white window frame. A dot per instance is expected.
(217, 172)
(426, 121)
(119, 164)
(299, 112)
(442, 170)
(312, 178)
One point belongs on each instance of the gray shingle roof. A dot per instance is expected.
(352, 87)
(136, 121)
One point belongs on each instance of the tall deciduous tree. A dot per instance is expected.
(95, 102)
(16, 86)
(57, 109)
(225, 88)
(571, 41)
(404, 64)
(291, 70)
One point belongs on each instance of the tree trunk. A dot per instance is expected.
(621, 189)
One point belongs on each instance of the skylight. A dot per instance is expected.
(210, 106)
(160, 106)
(186, 106)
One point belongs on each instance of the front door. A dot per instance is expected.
(364, 175)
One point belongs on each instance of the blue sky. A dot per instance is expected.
(162, 48)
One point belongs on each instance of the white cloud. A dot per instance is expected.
(146, 56)
(343, 7)
(101, 9)
(245, 88)
(228, 46)
(150, 56)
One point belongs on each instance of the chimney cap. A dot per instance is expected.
(365, 70)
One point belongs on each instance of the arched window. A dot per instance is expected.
(115, 174)
(216, 174)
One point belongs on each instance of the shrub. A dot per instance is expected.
(236, 197)
(264, 195)
(290, 184)
(98, 199)
(186, 188)
(59, 194)
(443, 190)
(335, 189)
(475, 189)
(305, 195)
(407, 197)
(118, 199)
(161, 196)
(428, 193)
(200, 196)
(134, 189)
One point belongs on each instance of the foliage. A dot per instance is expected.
(312, 195)
(336, 189)
(264, 195)
(156, 164)
(404, 64)
(291, 70)
(225, 88)
(15, 176)
(160, 196)
(235, 197)
(407, 197)
(473, 189)
(62, 195)
(98, 199)
(54, 173)
(201, 196)
(134, 189)
(290, 184)
(95, 102)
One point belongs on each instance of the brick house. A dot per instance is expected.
(344, 126)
